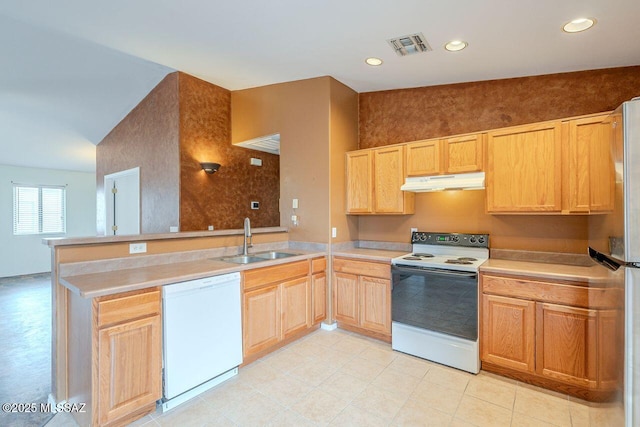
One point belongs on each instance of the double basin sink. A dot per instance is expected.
(257, 257)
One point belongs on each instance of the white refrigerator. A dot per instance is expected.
(614, 242)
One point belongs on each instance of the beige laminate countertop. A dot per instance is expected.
(125, 280)
(575, 273)
(382, 255)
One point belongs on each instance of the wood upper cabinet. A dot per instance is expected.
(423, 158)
(388, 178)
(362, 295)
(508, 332)
(464, 154)
(360, 181)
(446, 156)
(567, 344)
(524, 169)
(374, 178)
(590, 174)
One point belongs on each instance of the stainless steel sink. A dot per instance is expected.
(242, 259)
(257, 257)
(273, 255)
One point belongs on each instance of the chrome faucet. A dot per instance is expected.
(247, 235)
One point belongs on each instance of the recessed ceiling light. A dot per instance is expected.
(578, 25)
(373, 61)
(455, 45)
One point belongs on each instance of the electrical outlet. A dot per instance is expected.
(295, 203)
(413, 229)
(137, 248)
(334, 232)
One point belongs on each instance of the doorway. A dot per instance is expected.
(122, 202)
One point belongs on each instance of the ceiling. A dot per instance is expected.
(72, 69)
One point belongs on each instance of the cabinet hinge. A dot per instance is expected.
(114, 190)
(114, 228)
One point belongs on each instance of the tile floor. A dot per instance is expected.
(337, 378)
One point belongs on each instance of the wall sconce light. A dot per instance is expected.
(210, 167)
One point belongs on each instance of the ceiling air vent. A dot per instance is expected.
(267, 143)
(409, 45)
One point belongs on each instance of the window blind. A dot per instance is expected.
(39, 209)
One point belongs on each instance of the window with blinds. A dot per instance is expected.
(39, 209)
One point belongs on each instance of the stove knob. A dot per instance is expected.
(423, 237)
(456, 239)
(472, 239)
(481, 240)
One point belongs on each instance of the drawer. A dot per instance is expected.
(555, 293)
(318, 265)
(278, 273)
(362, 268)
(129, 306)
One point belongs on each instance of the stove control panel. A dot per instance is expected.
(450, 239)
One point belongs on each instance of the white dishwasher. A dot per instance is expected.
(202, 335)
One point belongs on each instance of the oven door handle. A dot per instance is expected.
(418, 270)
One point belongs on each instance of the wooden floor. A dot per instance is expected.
(25, 346)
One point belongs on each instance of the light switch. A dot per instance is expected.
(334, 232)
(256, 162)
(295, 203)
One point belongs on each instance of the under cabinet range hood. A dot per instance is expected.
(463, 181)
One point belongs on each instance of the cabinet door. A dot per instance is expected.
(319, 296)
(345, 298)
(375, 304)
(591, 171)
(601, 169)
(388, 166)
(508, 332)
(296, 306)
(464, 154)
(261, 327)
(423, 158)
(359, 182)
(524, 169)
(129, 367)
(566, 344)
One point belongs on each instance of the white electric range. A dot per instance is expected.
(435, 298)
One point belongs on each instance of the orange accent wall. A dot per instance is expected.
(147, 138)
(224, 198)
(390, 117)
(184, 121)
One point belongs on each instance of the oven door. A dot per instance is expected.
(444, 301)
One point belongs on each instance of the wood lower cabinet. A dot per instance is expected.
(375, 300)
(281, 302)
(261, 326)
(120, 377)
(362, 296)
(567, 344)
(508, 333)
(559, 335)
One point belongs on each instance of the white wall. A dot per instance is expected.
(26, 254)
